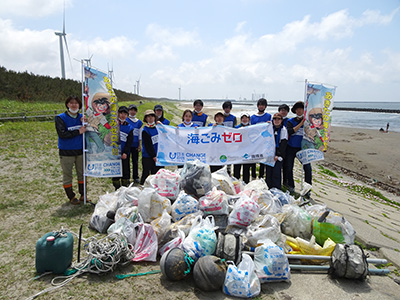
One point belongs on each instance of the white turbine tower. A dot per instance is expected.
(137, 85)
(62, 35)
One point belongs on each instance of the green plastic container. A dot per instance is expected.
(54, 252)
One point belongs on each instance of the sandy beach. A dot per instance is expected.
(369, 155)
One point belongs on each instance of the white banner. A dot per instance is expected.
(309, 155)
(216, 145)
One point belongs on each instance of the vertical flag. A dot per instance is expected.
(317, 125)
(102, 132)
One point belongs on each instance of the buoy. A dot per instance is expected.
(209, 273)
(175, 264)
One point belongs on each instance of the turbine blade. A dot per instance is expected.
(69, 57)
(64, 19)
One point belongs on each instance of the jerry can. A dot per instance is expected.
(54, 252)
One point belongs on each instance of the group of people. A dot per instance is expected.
(141, 136)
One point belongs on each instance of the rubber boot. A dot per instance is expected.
(116, 183)
(125, 182)
(81, 191)
(71, 195)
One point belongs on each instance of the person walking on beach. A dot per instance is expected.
(126, 139)
(274, 178)
(261, 117)
(244, 121)
(387, 127)
(296, 130)
(159, 111)
(199, 118)
(149, 145)
(135, 148)
(70, 144)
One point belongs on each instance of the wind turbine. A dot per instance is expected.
(138, 84)
(110, 73)
(62, 35)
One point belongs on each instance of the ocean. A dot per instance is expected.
(354, 119)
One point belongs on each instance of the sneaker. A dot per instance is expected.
(74, 201)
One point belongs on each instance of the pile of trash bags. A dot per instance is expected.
(244, 230)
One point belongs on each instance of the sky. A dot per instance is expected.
(213, 49)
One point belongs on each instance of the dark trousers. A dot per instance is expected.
(246, 171)
(284, 171)
(135, 163)
(274, 175)
(290, 156)
(126, 174)
(148, 167)
(215, 168)
(261, 171)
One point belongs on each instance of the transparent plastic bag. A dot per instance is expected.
(151, 204)
(185, 224)
(161, 225)
(183, 205)
(166, 183)
(257, 185)
(244, 212)
(271, 263)
(242, 281)
(125, 227)
(222, 181)
(175, 242)
(195, 178)
(99, 220)
(267, 228)
(297, 222)
(214, 202)
(284, 198)
(144, 204)
(268, 203)
(129, 212)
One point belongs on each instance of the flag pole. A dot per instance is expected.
(305, 112)
(84, 139)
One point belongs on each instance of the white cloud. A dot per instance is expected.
(176, 37)
(32, 8)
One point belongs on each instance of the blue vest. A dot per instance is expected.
(285, 120)
(229, 120)
(123, 134)
(241, 125)
(136, 131)
(254, 119)
(165, 122)
(296, 138)
(154, 138)
(277, 136)
(199, 120)
(183, 125)
(75, 143)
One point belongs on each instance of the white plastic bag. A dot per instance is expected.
(144, 204)
(129, 212)
(297, 222)
(271, 263)
(268, 203)
(146, 244)
(244, 212)
(151, 204)
(99, 220)
(269, 228)
(175, 242)
(166, 183)
(214, 202)
(126, 228)
(222, 181)
(202, 239)
(161, 225)
(242, 281)
(184, 205)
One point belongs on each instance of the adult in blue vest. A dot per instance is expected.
(159, 111)
(135, 148)
(296, 130)
(284, 111)
(149, 145)
(230, 120)
(125, 139)
(274, 178)
(261, 117)
(199, 118)
(70, 144)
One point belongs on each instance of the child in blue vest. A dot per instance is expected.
(284, 111)
(149, 145)
(244, 121)
(296, 130)
(70, 144)
(219, 118)
(135, 148)
(230, 120)
(126, 139)
(199, 118)
(274, 179)
(187, 119)
(261, 117)
(158, 109)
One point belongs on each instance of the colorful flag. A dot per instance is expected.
(317, 113)
(216, 145)
(103, 157)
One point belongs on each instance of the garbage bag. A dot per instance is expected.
(185, 224)
(196, 178)
(242, 281)
(175, 242)
(166, 183)
(146, 244)
(124, 227)
(151, 204)
(244, 212)
(301, 246)
(202, 239)
(99, 220)
(268, 228)
(161, 225)
(297, 222)
(129, 212)
(127, 196)
(222, 181)
(271, 263)
(269, 204)
(183, 205)
(214, 202)
(257, 185)
(284, 198)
